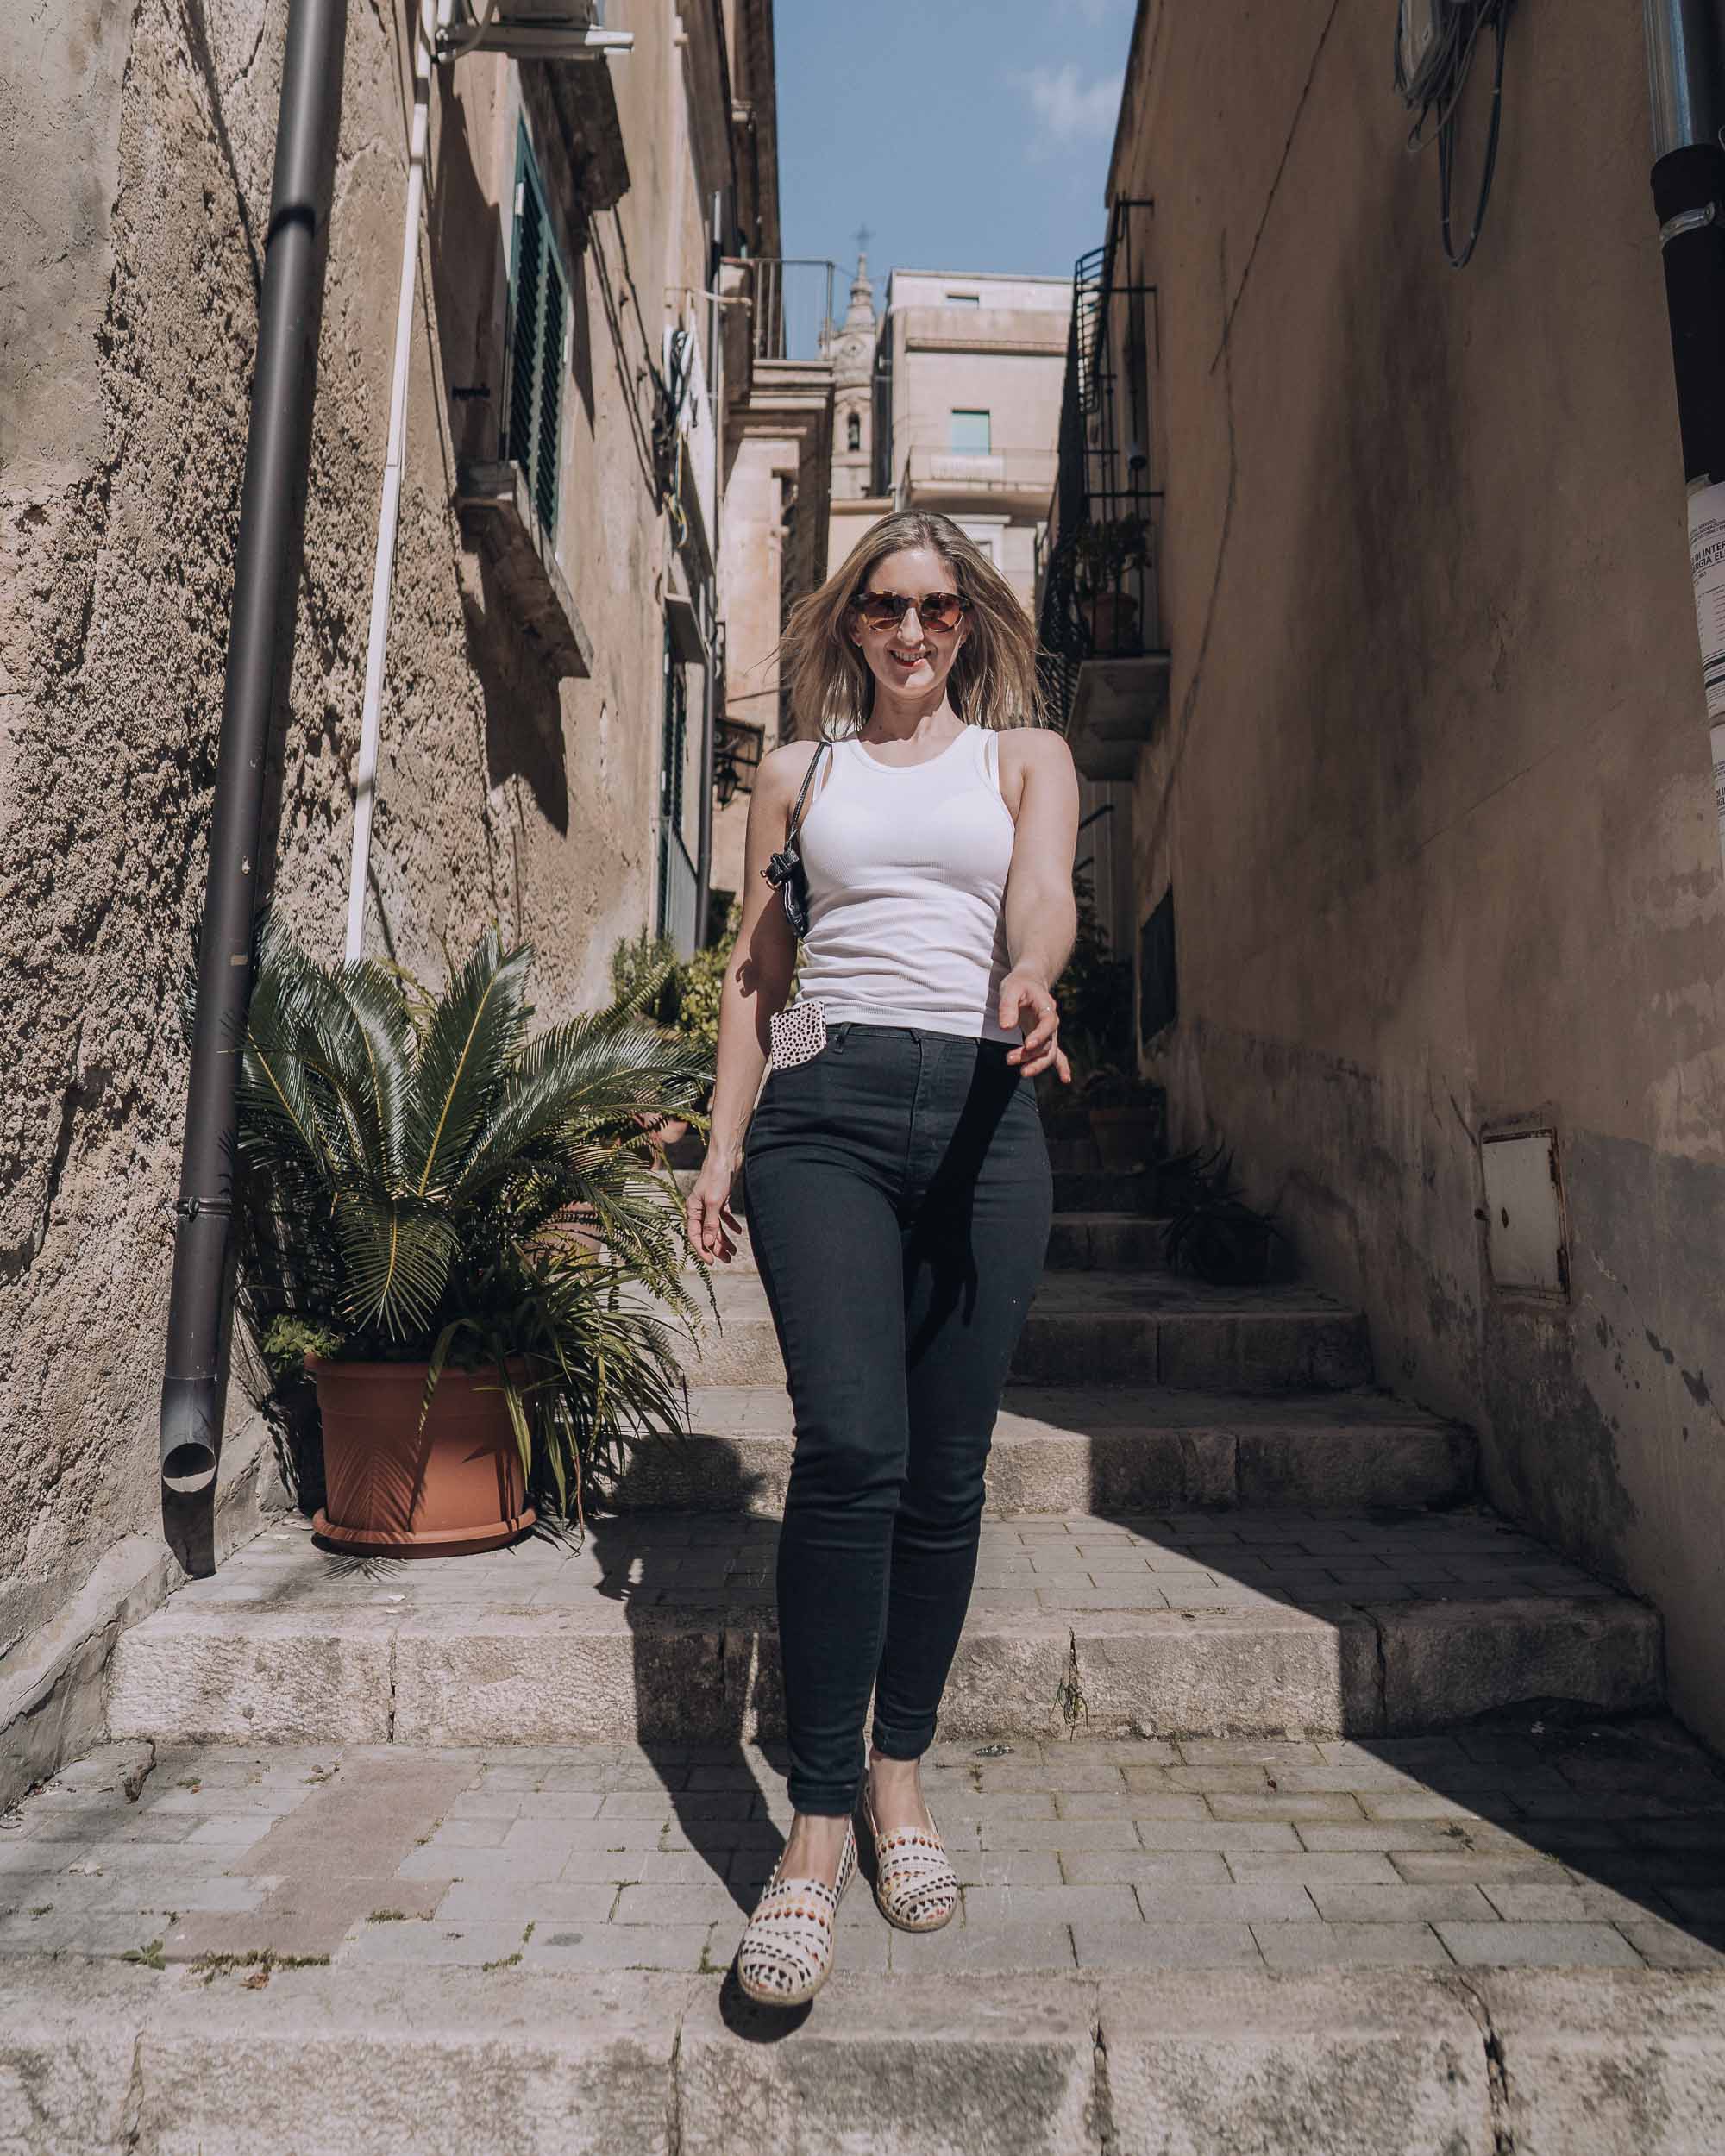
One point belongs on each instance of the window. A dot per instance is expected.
(964, 299)
(539, 307)
(853, 431)
(971, 434)
(674, 736)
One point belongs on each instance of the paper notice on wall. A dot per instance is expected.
(1718, 782)
(1707, 565)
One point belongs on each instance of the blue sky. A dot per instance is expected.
(972, 135)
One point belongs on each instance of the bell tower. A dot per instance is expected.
(853, 390)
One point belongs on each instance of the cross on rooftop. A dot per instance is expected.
(862, 234)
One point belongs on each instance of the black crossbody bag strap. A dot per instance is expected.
(796, 821)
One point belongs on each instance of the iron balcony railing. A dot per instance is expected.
(1099, 583)
(791, 300)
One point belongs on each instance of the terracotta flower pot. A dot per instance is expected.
(397, 1489)
(1126, 1138)
(1112, 619)
(662, 1131)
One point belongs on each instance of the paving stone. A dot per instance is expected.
(998, 1949)
(1440, 1867)
(1527, 1900)
(1278, 1804)
(1210, 1834)
(1099, 1867)
(1314, 1867)
(468, 1944)
(1181, 1945)
(1293, 1946)
(1667, 1945)
(564, 1902)
(674, 1905)
(1439, 1835)
(991, 1907)
(618, 1946)
(1368, 1901)
(1507, 1946)
(1060, 1833)
(1273, 1900)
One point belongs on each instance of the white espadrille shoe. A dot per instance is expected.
(786, 1950)
(915, 1887)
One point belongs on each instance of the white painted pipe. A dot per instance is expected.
(383, 571)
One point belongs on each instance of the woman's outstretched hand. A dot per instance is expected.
(713, 1225)
(1026, 1002)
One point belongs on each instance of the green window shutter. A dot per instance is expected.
(539, 309)
(550, 395)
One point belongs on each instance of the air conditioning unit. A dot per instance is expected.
(527, 29)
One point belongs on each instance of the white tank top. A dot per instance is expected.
(906, 869)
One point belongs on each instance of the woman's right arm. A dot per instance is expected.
(758, 980)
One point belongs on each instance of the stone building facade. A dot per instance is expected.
(1427, 876)
(557, 611)
(972, 367)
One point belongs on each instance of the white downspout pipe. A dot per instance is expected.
(383, 573)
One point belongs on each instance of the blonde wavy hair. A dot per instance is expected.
(994, 681)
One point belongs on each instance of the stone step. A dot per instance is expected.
(1100, 1327)
(1249, 1624)
(1078, 1188)
(1078, 1241)
(1106, 1242)
(1106, 1190)
(1303, 1949)
(519, 2060)
(1072, 1449)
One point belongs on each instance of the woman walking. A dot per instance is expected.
(897, 1182)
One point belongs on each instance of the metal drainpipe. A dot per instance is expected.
(715, 391)
(1684, 49)
(277, 448)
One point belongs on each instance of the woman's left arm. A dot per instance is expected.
(1041, 918)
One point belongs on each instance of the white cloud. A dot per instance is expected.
(1068, 109)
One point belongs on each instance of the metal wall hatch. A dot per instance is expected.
(1527, 1237)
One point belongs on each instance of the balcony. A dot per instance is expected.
(492, 501)
(932, 476)
(1106, 668)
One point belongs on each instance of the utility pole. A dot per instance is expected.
(1684, 49)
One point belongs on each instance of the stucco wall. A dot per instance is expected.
(124, 377)
(1433, 792)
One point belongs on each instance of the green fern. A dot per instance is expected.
(406, 1157)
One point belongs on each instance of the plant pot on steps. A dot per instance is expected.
(1127, 1137)
(394, 1489)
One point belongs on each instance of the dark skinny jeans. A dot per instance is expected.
(899, 1198)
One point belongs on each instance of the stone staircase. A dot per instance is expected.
(1202, 1522)
(1300, 1803)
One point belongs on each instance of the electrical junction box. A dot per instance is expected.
(1526, 1233)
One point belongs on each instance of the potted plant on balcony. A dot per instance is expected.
(1104, 553)
(1128, 1118)
(1210, 1230)
(403, 1155)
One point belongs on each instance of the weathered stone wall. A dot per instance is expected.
(124, 380)
(1434, 794)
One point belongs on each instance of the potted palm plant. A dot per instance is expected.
(1128, 1118)
(1104, 553)
(403, 1155)
(1210, 1230)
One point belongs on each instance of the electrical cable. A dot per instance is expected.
(1434, 90)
